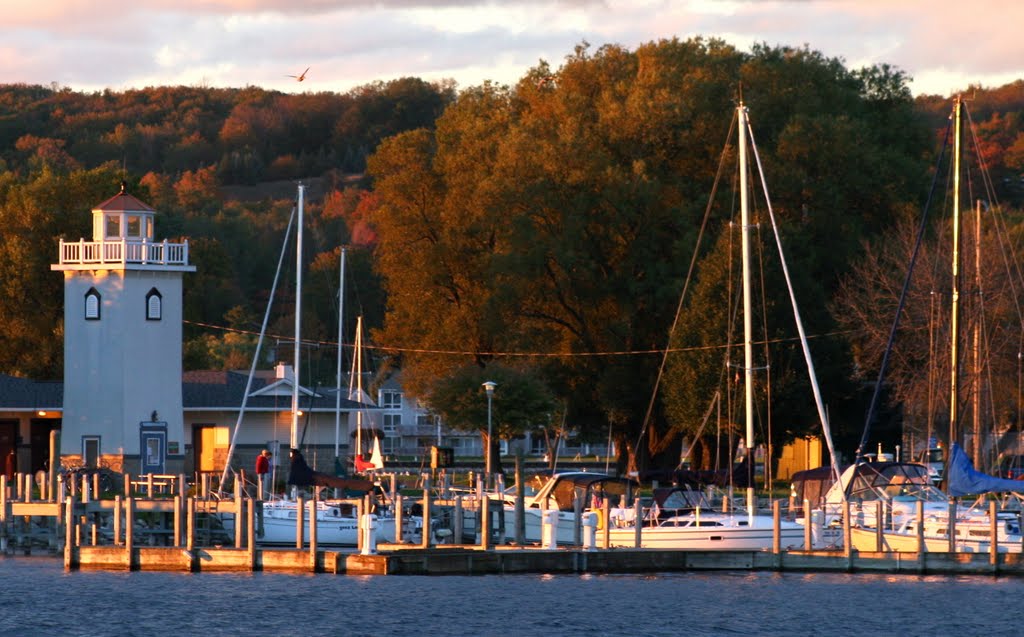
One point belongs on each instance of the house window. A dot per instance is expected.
(91, 451)
(92, 305)
(154, 305)
(391, 423)
(134, 227)
(389, 445)
(390, 399)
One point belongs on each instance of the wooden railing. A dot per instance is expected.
(123, 252)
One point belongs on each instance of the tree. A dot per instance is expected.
(520, 402)
(555, 219)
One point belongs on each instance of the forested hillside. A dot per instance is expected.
(555, 217)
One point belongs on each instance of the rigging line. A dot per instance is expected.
(256, 356)
(796, 311)
(686, 283)
(767, 362)
(410, 350)
(876, 394)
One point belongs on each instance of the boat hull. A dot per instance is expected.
(727, 534)
(866, 540)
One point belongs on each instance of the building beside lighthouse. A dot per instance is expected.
(122, 403)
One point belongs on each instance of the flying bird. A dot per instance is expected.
(299, 78)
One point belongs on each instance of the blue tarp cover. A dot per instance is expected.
(964, 479)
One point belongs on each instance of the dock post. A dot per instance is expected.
(51, 478)
(519, 516)
(129, 532)
(250, 528)
(300, 520)
(240, 518)
(485, 524)
(127, 484)
(776, 527)
(70, 550)
(117, 520)
(577, 520)
(399, 521)
(638, 524)
(847, 536)
(177, 520)
(808, 535)
(993, 546)
(951, 526)
(606, 531)
(425, 539)
(361, 509)
(879, 525)
(920, 527)
(190, 524)
(4, 516)
(459, 520)
(313, 506)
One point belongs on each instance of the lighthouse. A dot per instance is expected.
(122, 342)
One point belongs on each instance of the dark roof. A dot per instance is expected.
(224, 390)
(24, 394)
(200, 390)
(123, 202)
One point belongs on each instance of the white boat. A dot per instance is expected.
(685, 519)
(898, 487)
(337, 525)
(678, 519)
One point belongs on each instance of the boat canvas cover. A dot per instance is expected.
(964, 479)
(811, 485)
(868, 481)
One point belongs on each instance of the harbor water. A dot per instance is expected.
(40, 598)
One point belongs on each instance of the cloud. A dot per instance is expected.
(93, 44)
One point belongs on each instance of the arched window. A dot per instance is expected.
(154, 305)
(92, 305)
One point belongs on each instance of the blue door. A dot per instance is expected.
(153, 448)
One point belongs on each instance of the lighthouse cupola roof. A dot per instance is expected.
(122, 217)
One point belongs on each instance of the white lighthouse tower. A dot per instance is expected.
(122, 342)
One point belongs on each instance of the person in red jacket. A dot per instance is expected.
(263, 471)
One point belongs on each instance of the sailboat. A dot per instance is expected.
(337, 522)
(694, 527)
(915, 515)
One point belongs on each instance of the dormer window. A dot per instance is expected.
(154, 305)
(92, 305)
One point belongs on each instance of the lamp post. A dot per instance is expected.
(489, 388)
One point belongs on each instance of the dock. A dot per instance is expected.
(104, 534)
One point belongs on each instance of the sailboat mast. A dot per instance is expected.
(341, 330)
(748, 330)
(298, 323)
(954, 324)
(359, 384)
(976, 344)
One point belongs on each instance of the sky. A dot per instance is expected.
(92, 45)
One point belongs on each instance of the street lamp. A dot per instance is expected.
(489, 388)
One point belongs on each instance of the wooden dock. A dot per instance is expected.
(74, 527)
(469, 560)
